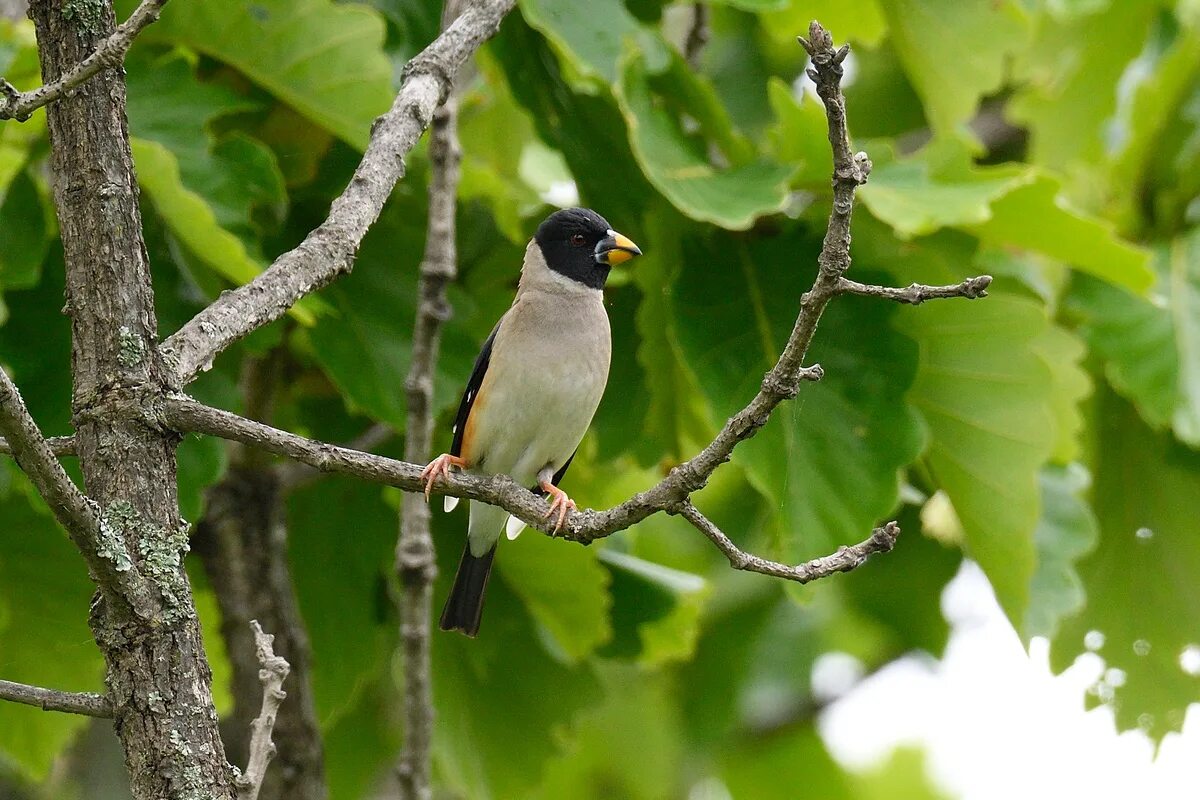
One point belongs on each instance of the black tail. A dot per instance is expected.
(464, 607)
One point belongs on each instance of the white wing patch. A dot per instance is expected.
(513, 528)
(448, 503)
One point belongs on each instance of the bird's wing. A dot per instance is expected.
(472, 391)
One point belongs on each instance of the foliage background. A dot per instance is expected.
(1049, 433)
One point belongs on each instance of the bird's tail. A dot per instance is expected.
(464, 607)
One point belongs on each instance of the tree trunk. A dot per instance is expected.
(157, 672)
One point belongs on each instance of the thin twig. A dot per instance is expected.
(416, 561)
(103, 548)
(916, 293)
(882, 540)
(262, 749)
(59, 445)
(109, 54)
(328, 251)
(89, 704)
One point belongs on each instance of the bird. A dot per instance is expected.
(534, 389)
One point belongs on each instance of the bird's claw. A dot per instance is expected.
(559, 503)
(439, 467)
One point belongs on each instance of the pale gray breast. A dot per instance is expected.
(547, 373)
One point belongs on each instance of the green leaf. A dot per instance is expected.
(490, 689)
(732, 197)
(25, 231)
(754, 768)
(906, 196)
(986, 398)
(661, 605)
(1066, 532)
(830, 459)
(44, 637)
(955, 52)
(1005, 206)
(594, 49)
(800, 135)
(1062, 353)
(1036, 217)
(324, 59)
(1072, 68)
(1140, 582)
(341, 537)
(862, 22)
(1151, 347)
(629, 747)
(564, 588)
(193, 221)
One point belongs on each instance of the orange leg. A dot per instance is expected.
(559, 502)
(440, 466)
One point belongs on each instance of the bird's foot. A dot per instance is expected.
(440, 466)
(559, 503)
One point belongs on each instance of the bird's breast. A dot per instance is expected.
(547, 373)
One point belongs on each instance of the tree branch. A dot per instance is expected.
(89, 704)
(328, 251)
(106, 555)
(416, 560)
(274, 671)
(917, 293)
(59, 445)
(882, 540)
(108, 54)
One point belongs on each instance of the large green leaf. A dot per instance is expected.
(986, 399)
(1072, 68)
(564, 588)
(1142, 596)
(1066, 532)
(594, 49)
(341, 537)
(322, 58)
(1005, 206)
(731, 197)
(831, 458)
(25, 231)
(502, 700)
(955, 52)
(1151, 348)
(44, 637)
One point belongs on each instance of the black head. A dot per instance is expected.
(580, 244)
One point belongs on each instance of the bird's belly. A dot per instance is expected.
(534, 414)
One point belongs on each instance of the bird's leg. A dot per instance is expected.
(440, 466)
(559, 502)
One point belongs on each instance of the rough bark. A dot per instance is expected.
(158, 677)
(243, 543)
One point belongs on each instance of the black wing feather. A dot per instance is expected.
(472, 391)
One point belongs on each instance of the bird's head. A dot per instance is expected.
(580, 244)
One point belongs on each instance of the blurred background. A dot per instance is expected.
(1037, 629)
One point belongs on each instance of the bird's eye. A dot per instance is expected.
(577, 240)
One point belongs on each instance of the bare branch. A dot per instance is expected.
(882, 540)
(89, 704)
(274, 671)
(917, 293)
(328, 251)
(59, 445)
(416, 561)
(295, 475)
(105, 552)
(107, 55)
